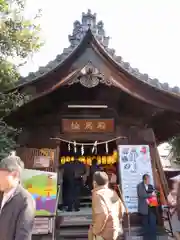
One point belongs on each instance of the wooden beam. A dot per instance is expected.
(158, 166)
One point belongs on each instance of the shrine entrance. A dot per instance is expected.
(90, 153)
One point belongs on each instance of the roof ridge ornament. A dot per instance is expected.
(88, 21)
(90, 76)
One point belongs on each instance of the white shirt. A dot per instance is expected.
(146, 186)
(7, 196)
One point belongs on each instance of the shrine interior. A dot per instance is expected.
(107, 159)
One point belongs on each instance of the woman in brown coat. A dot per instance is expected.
(106, 210)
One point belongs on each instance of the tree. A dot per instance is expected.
(19, 39)
(175, 148)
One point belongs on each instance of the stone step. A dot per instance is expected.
(85, 201)
(86, 197)
(42, 237)
(136, 233)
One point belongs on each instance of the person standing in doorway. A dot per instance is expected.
(76, 184)
(67, 176)
(17, 205)
(93, 168)
(145, 191)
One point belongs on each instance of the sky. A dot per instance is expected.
(146, 33)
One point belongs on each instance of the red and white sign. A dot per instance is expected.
(135, 161)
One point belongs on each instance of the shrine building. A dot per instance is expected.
(88, 94)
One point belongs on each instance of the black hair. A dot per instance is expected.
(94, 161)
(145, 176)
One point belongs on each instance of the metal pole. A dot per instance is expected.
(128, 217)
(53, 228)
(54, 218)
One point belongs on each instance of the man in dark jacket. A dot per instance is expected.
(17, 205)
(144, 191)
(67, 172)
(94, 168)
(76, 184)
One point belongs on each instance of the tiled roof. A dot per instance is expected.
(80, 28)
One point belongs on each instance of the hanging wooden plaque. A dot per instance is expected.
(41, 162)
(88, 125)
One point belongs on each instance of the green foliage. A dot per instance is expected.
(7, 139)
(19, 39)
(10, 102)
(8, 74)
(175, 148)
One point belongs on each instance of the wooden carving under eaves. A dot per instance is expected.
(90, 77)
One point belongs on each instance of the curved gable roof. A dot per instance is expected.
(123, 79)
(86, 32)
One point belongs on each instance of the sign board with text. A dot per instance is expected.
(41, 162)
(135, 161)
(88, 125)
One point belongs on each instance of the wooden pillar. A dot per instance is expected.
(59, 175)
(121, 141)
(153, 163)
(159, 168)
(57, 156)
(159, 176)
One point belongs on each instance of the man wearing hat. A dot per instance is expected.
(17, 209)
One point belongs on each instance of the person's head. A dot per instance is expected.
(174, 185)
(10, 172)
(174, 188)
(100, 179)
(94, 161)
(146, 178)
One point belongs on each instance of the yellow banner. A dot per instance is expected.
(111, 159)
